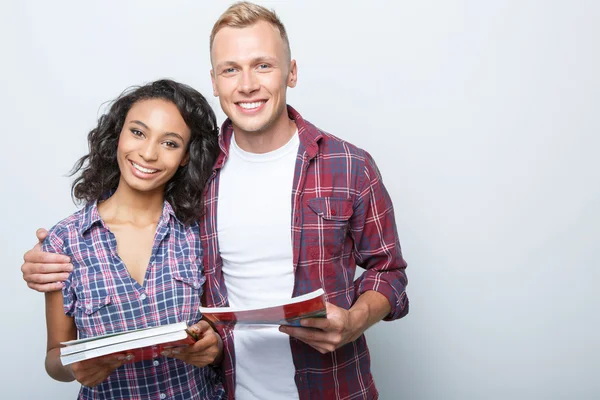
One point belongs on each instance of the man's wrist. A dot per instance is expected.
(359, 320)
(369, 308)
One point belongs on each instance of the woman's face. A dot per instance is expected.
(152, 145)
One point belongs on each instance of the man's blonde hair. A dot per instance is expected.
(244, 14)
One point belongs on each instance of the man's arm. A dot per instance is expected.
(381, 288)
(42, 271)
(341, 326)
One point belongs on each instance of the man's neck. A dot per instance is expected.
(265, 141)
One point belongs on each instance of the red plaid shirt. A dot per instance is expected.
(342, 216)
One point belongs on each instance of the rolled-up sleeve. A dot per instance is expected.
(376, 243)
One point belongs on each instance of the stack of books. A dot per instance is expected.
(142, 344)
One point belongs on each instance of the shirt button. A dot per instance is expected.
(163, 396)
(143, 296)
(155, 363)
(333, 212)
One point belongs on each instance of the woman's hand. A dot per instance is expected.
(94, 371)
(207, 350)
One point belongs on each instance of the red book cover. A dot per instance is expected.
(288, 312)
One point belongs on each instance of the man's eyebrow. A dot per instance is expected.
(255, 60)
(224, 64)
(271, 60)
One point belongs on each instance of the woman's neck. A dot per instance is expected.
(129, 206)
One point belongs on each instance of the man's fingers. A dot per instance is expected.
(35, 256)
(41, 234)
(51, 268)
(44, 278)
(317, 323)
(323, 348)
(46, 287)
(305, 334)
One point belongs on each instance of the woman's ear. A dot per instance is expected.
(185, 160)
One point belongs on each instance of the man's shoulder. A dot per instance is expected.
(330, 144)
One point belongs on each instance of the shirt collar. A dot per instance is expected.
(308, 134)
(91, 216)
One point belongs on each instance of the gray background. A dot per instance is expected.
(482, 117)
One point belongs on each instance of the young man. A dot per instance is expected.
(290, 209)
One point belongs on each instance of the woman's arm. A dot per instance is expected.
(60, 328)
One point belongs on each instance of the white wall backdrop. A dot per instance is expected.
(483, 119)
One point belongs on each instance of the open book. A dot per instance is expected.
(143, 344)
(286, 312)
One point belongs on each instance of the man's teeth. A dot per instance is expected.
(142, 169)
(249, 106)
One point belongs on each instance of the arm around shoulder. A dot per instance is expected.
(44, 266)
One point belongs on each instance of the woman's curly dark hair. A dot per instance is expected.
(99, 169)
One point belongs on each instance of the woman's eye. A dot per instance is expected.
(172, 145)
(136, 132)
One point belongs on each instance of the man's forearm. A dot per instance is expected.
(370, 308)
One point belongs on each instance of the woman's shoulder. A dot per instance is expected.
(73, 222)
(70, 226)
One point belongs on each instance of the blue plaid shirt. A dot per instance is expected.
(103, 298)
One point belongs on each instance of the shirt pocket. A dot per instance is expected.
(188, 279)
(326, 226)
(92, 312)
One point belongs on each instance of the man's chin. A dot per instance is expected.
(249, 128)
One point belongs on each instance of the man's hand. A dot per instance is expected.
(45, 272)
(341, 326)
(328, 334)
(207, 350)
(95, 371)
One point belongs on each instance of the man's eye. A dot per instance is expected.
(229, 70)
(263, 66)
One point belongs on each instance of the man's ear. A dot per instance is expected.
(293, 74)
(214, 85)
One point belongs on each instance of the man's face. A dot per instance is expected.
(250, 75)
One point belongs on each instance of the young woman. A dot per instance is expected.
(135, 246)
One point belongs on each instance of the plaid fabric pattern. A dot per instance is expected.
(103, 298)
(342, 216)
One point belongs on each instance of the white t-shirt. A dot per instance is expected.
(254, 212)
